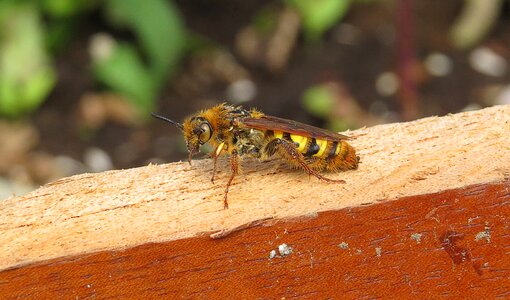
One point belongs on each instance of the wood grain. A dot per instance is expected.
(158, 203)
(453, 244)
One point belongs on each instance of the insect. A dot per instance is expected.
(239, 132)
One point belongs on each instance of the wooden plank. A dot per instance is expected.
(174, 207)
(453, 244)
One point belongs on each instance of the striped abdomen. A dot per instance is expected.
(323, 154)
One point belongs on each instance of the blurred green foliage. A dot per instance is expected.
(26, 73)
(135, 69)
(160, 32)
(265, 20)
(319, 101)
(319, 15)
(66, 8)
(475, 22)
(33, 31)
(63, 18)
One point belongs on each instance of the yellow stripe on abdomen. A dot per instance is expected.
(278, 134)
(301, 140)
(338, 148)
(323, 144)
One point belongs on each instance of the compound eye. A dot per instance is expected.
(206, 133)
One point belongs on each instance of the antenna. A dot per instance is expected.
(178, 125)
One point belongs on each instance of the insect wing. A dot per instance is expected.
(278, 124)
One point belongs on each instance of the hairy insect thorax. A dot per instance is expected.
(224, 120)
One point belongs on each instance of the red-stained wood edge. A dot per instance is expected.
(454, 244)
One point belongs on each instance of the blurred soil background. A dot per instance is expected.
(78, 79)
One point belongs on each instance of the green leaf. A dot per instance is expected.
(475, 22)
(319, 15)
(67, 8)
(123, 71)
(159, 28)
(26, 74)
(338, 125)
(318, 100)
(139, 75)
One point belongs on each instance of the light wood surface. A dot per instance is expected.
(120, 209)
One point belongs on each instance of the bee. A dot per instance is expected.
(239, 132)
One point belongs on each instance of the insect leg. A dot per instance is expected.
(215, 155)
(290, 153)
(235, 169)
(215, 160)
